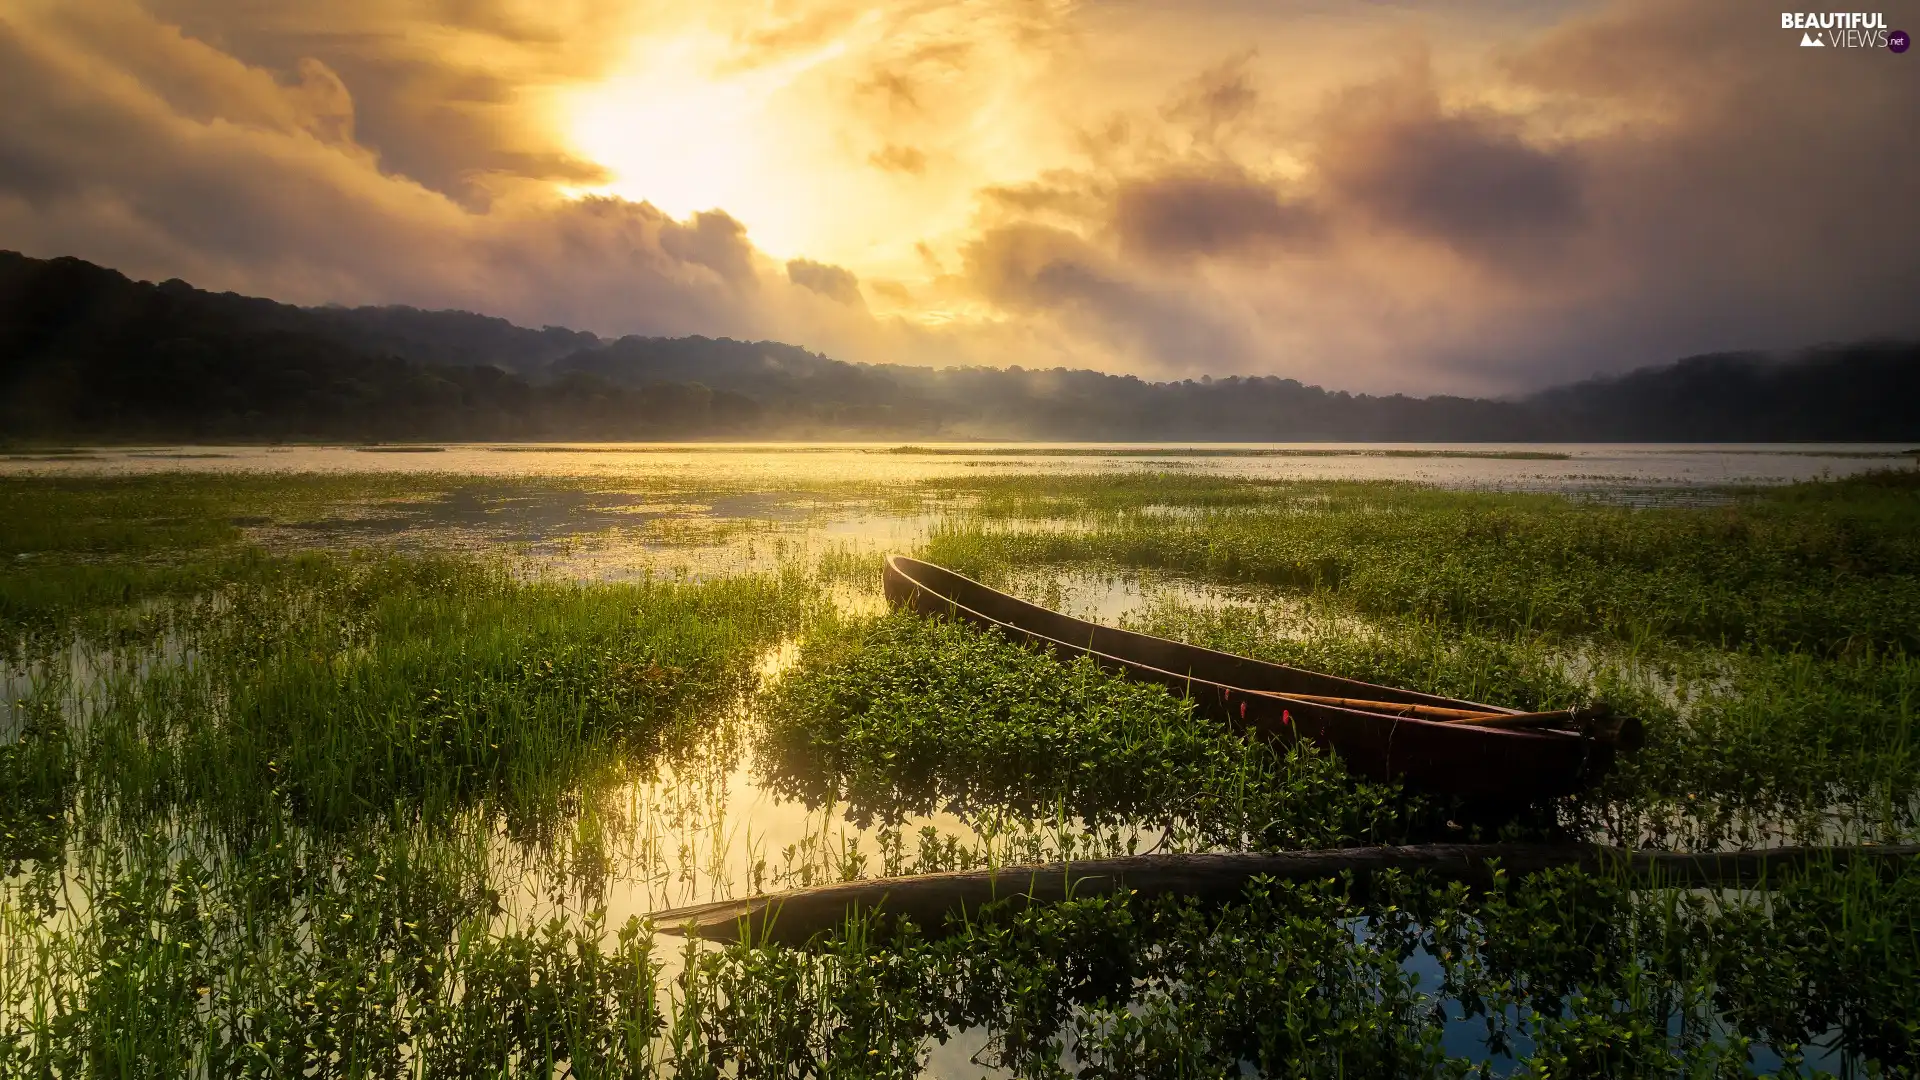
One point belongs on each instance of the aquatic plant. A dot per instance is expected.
(1774, 570)
(372, 813)
(903, 716)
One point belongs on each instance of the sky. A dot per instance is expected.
(1479, 197)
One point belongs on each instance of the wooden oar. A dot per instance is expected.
(796, 917)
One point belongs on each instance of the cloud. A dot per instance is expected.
(1463, 177)
(1463, 201)
(1049, 271)
(146, 163)
(892, 291)
(1217, 97)
(445, 93)
(902, 159)
(1078, 196)
(160, 179)
(1737, 189)
(712, 239)
(1632, 184)
(1181, 215)
(1037, 267)
(834, 282)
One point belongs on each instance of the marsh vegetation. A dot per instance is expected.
(278, 799)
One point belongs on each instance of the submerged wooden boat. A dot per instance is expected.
(798, 916)
(1444, 746)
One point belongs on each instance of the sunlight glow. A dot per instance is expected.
(863, 140)
(687, 133)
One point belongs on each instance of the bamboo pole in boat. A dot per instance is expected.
(1448, 715)
(798, 916)
(1568, 717)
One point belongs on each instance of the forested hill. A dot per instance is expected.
(1864, 392)
(87, 353)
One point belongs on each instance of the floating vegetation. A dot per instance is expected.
(904, 715)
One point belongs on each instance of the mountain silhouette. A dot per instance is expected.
(86, 353)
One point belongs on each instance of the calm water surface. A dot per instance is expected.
(1574, 466)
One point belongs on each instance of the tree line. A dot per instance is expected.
(87, 353)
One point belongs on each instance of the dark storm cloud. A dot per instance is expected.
(127, 157)
(1195, 214)
(452, 131)
(25, 174)
(1037, 267)
(1740, 191)
(1465, 178)
(834, 282)
(618, 266)
(1632, 185)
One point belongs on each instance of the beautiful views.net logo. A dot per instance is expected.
(1844, 30)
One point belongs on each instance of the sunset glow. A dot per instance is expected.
(1475, 199)
(684, 134)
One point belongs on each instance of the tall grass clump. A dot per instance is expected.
(1743, 748)
(344, 687)
(383, 955)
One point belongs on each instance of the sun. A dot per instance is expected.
(687, 130)
(799, 143)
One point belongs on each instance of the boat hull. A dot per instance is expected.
(1477, 764)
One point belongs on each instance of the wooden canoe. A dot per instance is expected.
(1479, 764)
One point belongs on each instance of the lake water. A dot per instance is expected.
(621, 510)
(1571, 467)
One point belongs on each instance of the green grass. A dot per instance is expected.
(343, 687)
(1796, 570)
(1314, 980)
(343, 813)
(253, 803)
(1742, 747)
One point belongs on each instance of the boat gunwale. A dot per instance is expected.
(894, 564)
